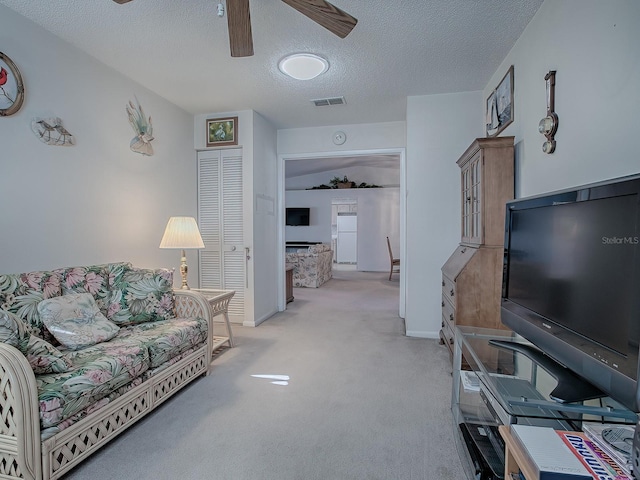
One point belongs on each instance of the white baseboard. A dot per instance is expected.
(255, 323)
(422, 334)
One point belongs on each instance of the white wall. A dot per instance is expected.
(439, 129)
(265, 186)
(96, 201)
(378, 217)
(319, 204)
(594, 47)
(368, 136)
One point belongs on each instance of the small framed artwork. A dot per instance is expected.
(222, 131)
(11, 87)
(499, 112)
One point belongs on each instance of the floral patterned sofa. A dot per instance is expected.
(84, 353)
(312, 266)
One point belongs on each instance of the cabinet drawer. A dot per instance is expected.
(446, 332)
(448, 289)
(446, 339)
(448, 312)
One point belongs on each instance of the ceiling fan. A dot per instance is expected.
(322, 12)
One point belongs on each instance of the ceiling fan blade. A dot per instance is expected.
(323, 13)
(122, 1)
(239, 21)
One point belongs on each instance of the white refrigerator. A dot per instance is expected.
(347, 242)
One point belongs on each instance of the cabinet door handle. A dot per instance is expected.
(451, 317)
(451, 341)
(442, 324)
(442, 304)
(443, 283)
(452, 292)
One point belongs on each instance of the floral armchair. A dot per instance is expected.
(311, 267)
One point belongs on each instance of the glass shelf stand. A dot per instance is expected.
(493, 385)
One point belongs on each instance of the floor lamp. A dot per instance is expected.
(182, 233)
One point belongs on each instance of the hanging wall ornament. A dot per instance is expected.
(11, 87)
(51, 132)
(143, 128)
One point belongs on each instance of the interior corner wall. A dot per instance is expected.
(265, 185)
(593, 46)
(439, 130)
(245, 141)
(96, 201)
(258, 139)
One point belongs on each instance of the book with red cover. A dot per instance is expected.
(597, 461)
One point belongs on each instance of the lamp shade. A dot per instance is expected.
(181, 232)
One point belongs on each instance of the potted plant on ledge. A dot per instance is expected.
(337, 182)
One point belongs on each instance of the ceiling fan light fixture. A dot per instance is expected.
(303, 66)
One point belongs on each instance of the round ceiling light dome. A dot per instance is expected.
(303, 66)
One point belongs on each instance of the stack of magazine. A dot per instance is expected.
(614, 439)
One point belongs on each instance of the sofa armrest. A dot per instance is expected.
(190, 303)
(20, 449)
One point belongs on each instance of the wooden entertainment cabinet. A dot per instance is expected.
(472, 276)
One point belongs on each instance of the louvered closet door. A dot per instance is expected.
(222, 261)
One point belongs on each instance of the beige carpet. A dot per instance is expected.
(362, 401)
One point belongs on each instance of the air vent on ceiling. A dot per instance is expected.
(323, 102)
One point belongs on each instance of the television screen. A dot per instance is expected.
(297, 216)
(572, 277)
(565, 259)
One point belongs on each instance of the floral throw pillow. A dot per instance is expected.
(20, 293)
(45, 358)
(13, 331)
(75, 320)
(42, 356)
(141, 295)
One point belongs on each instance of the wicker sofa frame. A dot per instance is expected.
(24, 456)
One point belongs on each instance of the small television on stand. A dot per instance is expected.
(571, 283)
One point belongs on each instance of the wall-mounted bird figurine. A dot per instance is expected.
(143, 128)
(51, 132)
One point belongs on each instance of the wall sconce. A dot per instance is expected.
(548, 126)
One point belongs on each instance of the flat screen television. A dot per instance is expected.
(571, 283)
(297, 216)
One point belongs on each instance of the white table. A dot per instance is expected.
(219, 301)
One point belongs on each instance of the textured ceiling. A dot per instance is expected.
(179, 49)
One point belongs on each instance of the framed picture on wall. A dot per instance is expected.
(222, 131)
(499, 112)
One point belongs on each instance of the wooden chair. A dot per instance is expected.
(394, 261)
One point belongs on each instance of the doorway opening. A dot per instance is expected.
(305, 181)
